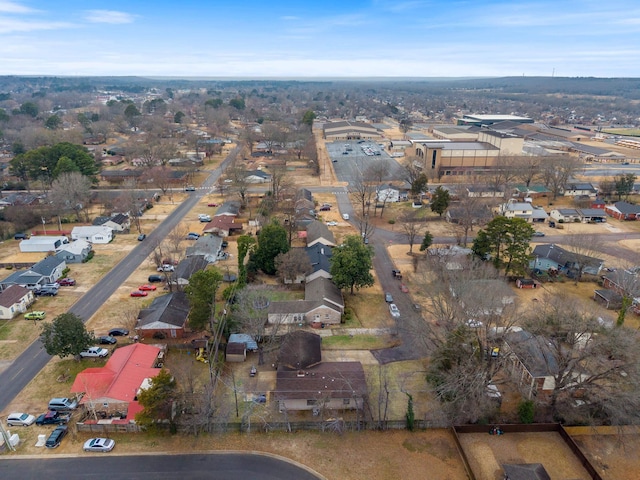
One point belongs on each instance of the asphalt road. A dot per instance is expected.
(214, 466)
(24, 368)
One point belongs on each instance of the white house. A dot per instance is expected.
(75, 252)
(513, 209)
(43, 243)
(15, 299)
(388, 194)
(565, 215)
(257, 176)
(92, 234)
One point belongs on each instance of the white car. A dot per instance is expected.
(94, 352)
(332, 224)
(203, 217)
(167, 268)
(20, 419)
(395, 313)
(99, 445)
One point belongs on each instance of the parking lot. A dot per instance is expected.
(351, 159)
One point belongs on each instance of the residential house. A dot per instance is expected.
(223, 226)
(17, 199)
(50, 268)
(530, 361)
(75, 252)
(453, 257)
(92, 234)
(388, 194)
(320, 259)
(119, 176)
(43, 243)
(166, 317)
(207, 246)
(565, 215)
(484, 191)
(14, 300)
(532, 191)
(550, 256)
(318, 232)
(257, 176)
(323, 304)
(114, 387)
(230, 208)
(575, 189)
(610, 299)
(623, 211)
(484, 297)
(478, 214)
(186, 268)
(524, 210)
(625, 282)
(118, 222)
(245, 339)
(592, 215)
(235, 352)
(304, 382)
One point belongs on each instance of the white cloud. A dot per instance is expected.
(11, 25)
(13, 7)
(108, 16)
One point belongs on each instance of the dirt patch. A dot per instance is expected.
(487, 453)
(613, 456)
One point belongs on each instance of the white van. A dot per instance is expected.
(345, 216)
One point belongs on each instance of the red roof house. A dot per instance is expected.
(114, 387)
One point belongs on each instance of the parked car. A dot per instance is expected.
(67, 282)
(212, 204)
(404, 288)
(56, 436)
(325, 208)
(47, 292)
(118, 332)
(388, 298)
(20, 419)
(332, 224)
(138, 293)
(147, 288)
(20, 236)
(224, 244)
(99, 445)
(345, 216)
(193, 236)
(396, 273)
(393, 309)
(35, 315)
(107, 340)
(155, 278)
(189, 188)
(54, 285)
(63, 404)
(141, 237)
(203, 217)
(94, 352)
(52, 418)
(538, 234)
(260, 398)
(166, 268)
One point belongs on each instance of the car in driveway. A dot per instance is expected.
(63, 404)
(538, 234)
(102, 445)
(203, 217)
(138, 293)
(393, 309)
(212, 204)
(118, 332)
(107, 340)
(147, 288)
(192, 236)
(52, 418)
(155, 278)
(94, 352)
(20, 419)
(332, 224)
(35, 315)
(56, 436)
(166, 268)
(67, 282)
(47, 292)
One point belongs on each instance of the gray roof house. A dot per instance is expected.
(118, 222)
(186, 268)
(318, 232)
(320, 258)
(167, 314)
(550, 256)
(75, 252)
(322, 304)
(45, 271)
(257, 176)
(207, 246)
(231, 208)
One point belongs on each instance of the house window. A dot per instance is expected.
(326, 316)
(346, 401)
(312, 402)
(433, 160)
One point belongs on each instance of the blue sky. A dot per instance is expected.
(322, 38)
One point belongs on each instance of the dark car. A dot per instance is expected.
(155, 278)
(118, 332)
(67, 282)
(47, 292)
(52, 418)
(107, 340)
(56, 436)
(141, 237)
(20, 236)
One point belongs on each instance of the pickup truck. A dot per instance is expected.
(94, 352)
(53, 418)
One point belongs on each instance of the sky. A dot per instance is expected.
(321, 38)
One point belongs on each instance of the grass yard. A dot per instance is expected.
(358, 342)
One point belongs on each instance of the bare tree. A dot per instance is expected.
(293, 264)
(362, 193)
(71, 192)
(583, 248)
(412, 228)
(556, 171)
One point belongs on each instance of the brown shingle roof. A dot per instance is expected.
(12, 295)
(326, 380)
(299, 350)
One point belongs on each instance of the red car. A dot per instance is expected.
(66, 282)
(147, 288)
(139, 293)
(212, 205)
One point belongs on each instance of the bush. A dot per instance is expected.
(391, 221)
(526, 411)
(89, 257)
